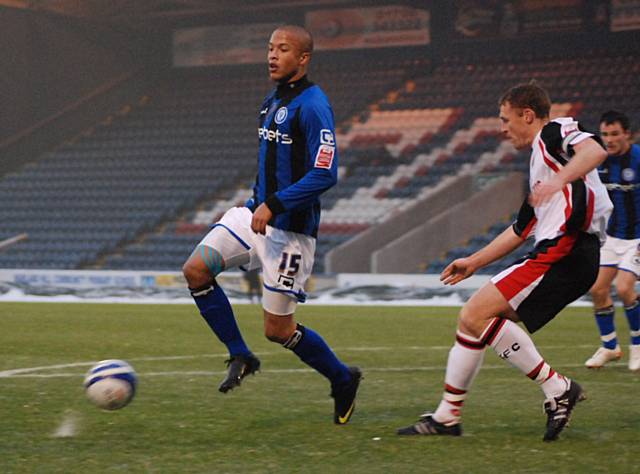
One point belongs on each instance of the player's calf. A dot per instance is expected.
(309, 346)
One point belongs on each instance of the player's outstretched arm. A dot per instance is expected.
(457, 271)
(463, 268)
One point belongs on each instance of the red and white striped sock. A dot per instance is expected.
(465, 360)
(514, 345)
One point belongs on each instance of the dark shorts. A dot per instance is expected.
(555, 273)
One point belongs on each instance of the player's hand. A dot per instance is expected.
(543, 191)
(261, 217)
(457, 271)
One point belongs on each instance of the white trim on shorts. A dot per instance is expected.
(241, 246)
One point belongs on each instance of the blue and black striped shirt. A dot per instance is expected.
(298, 157)
(621, 176)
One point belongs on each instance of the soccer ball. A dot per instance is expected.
(111, 384)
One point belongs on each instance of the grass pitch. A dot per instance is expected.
(281, 419)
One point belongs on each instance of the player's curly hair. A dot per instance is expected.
(528, 96)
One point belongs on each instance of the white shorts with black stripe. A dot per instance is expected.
(554, 274)
(286, 258)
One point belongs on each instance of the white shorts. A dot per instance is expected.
(621, 253)
(286, 258)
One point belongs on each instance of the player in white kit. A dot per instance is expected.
(566, 213)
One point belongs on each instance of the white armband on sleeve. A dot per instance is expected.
(574, 138)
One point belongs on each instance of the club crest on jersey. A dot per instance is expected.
(628, 174)
(324, 157)
(281, 115)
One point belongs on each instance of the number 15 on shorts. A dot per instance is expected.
(290, 263)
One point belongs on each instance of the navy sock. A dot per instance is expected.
(604, 319)
(314, 351)
(216, 311)
(633, 316)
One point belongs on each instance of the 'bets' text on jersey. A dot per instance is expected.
(274, 136)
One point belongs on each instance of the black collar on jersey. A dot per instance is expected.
(284, 91)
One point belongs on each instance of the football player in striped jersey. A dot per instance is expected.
(566, 213)
(276, 230)
(620, 255)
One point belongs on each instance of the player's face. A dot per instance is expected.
(515, 126)
(616, 138)
(286, 59)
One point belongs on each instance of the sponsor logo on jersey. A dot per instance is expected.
(326, 137)
(628, 174)
(324, 157)
(281, 115)
(274, 136)
(264, 111)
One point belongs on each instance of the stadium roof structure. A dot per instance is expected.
(130, 12)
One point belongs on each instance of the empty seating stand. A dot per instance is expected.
(139, 191)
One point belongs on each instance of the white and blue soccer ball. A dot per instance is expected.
(111, 384)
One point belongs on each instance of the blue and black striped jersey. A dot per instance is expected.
(298, 157)
(621, 176)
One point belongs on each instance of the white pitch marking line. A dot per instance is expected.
(11, 373)
(28, 370)
(296, 371)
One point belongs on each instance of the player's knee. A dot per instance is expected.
(469, 322)
(626, 292)
(276, 335)
(599, 293)
(195, 277)
(278, 328)
(600, 296)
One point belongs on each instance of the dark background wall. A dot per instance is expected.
(52, 61)
(49, 61)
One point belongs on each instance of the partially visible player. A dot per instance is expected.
(278, 227)
(566, 214)
(620, 255)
